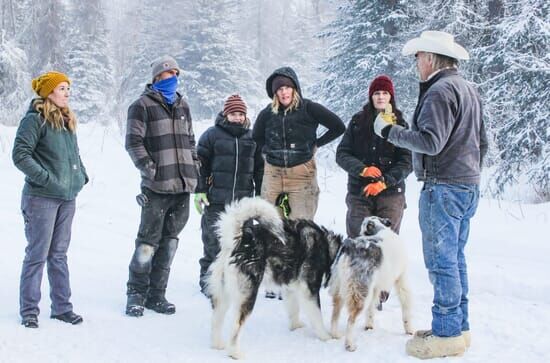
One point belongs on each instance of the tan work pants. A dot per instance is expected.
(299, 182)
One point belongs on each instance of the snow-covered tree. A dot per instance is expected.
(44, 34)
(14, 81)
(516, 78)
(366, 40)
(88, 62)
(214, 61)
(145, 30)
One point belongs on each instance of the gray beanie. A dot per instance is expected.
(162, 64)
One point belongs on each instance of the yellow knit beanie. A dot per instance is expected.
(44, 84)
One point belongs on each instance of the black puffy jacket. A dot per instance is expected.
(361, 147)
(289, 139)
(231, 165)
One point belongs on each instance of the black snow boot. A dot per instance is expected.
(134, 305)
(68, 317)
(160, 305)
(30, 321)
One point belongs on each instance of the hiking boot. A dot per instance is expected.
(270, 295)
(160, 305)
(134, 305)
(68, 317)
(30, 321)
(465, 335)
(425, 345)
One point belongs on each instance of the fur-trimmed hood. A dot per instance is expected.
(285, 72)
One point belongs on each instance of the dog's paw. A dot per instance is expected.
(336, 334)
(324, 336)
(350, 346)
(217, 345)
(408, 329)
(296, 325)
(369, 327)
(236, 354)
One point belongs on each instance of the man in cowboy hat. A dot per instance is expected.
(448, 142)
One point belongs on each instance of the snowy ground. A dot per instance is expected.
(508, 263)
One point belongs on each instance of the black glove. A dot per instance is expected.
(142, 199)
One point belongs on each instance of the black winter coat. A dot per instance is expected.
(291, 139)
(361, 147)
(231, 164)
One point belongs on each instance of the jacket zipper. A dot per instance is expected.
(72, 165)
(285, 151)
(236, 167)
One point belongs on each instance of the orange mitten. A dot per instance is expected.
(371, 172)
(374, 189)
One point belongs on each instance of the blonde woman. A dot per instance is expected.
(286, 132)
(46, 151)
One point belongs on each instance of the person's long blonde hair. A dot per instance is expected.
(56, 116)
(275, 104)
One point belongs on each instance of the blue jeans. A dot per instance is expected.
(48, 223)
(445, 211)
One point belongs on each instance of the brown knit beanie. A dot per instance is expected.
(280, 81)
(234, 103)
(44, 84)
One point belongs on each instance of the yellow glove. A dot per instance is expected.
(388, 115)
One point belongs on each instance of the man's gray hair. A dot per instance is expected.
(440, 61)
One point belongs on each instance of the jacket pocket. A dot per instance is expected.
(310, 167)
(149, 171)
(385, 162)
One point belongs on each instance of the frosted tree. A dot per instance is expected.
(88, 62)
(148, 30)
(214, 63)
(282, 33)
(14, 80)
(516, 71)
(366, 40)
(42, 38)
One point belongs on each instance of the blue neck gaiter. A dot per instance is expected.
(167, 87)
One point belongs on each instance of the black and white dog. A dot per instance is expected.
(254, 240)
(373, 262)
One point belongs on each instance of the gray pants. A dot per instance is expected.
(162, 219)
(48, 224)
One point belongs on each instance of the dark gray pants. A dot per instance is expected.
(210, 242)
(389, 206)
(48, 224)
(162, 219)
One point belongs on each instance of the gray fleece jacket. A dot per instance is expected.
(447, 135)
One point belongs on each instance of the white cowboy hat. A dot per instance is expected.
(435, 42)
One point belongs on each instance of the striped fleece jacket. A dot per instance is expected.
(161, 143)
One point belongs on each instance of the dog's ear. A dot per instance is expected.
(386, 222)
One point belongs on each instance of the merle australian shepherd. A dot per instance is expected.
(254, 240)
(366, 265)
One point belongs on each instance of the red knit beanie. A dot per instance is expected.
(382, 83)
(234, 103)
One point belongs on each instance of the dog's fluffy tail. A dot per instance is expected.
(230, 223)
